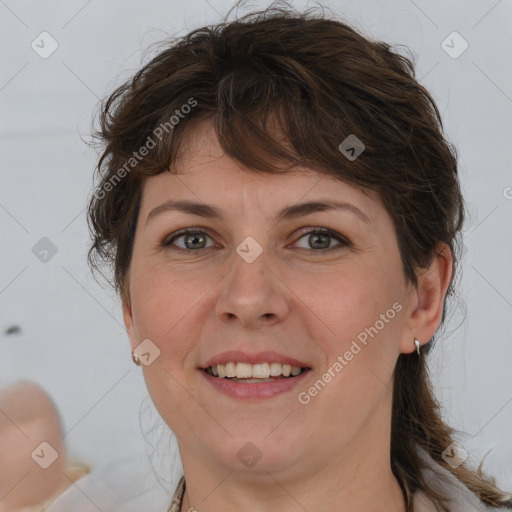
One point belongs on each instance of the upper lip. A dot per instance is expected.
(267, 356)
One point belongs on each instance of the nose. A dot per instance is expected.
(253, 294)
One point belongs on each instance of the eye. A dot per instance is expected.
(193, 239)
(319, 239)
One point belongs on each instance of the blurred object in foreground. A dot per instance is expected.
(34, 467)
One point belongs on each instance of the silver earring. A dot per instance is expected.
(417, 343)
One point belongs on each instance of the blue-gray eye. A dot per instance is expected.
(195, 239)
(320, 238)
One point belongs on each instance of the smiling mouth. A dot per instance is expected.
(253, 373)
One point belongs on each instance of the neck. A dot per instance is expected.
(357, 475)
(387, 496)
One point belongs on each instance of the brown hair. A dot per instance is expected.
(322, 81)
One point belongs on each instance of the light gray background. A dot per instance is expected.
(72, 340)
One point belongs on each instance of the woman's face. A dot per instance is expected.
(252, 286)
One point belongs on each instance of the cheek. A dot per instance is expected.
(361, 348)
(165, 306)
(157, 297)
(355, 309)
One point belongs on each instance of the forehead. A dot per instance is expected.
(204, 173)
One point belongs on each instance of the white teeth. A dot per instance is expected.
(231, 370)
(275, 369)
(243, 370)
(261, 371)
(254, 371)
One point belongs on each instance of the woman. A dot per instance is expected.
(282, 215)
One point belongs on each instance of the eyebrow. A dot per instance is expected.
(290, 212)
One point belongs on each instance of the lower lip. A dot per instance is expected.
(255, 390)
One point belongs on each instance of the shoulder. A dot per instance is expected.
(423, 504)
(122, 485)
(461, 498)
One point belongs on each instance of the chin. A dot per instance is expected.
(251, 455)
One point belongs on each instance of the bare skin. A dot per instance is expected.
(293, 299)
(28, 418)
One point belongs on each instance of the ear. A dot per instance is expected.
(425, 303)
(128, 322)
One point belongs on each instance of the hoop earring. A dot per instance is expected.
(135, 359)
(417, 343)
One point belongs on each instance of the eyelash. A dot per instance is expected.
(322, 231)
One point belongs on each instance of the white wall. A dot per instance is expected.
(71, 339)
